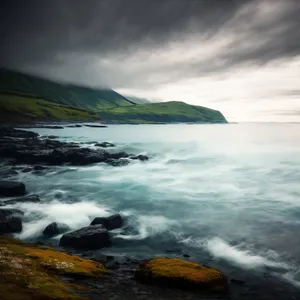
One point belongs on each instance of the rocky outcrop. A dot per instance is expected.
(12, 188)
(105, 145)
(10, 225)
(30, 198)
(27, 148)
(109, 223)
(32, 272)
(91, 237)
(55, 228)
(173, 272)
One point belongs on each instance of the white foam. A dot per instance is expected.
(148, 226)
(75, 215)
(242, 257)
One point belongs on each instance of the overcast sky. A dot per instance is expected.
(241, 57)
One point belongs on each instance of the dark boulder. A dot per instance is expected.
(91, 237)
(140, 157)
(10, 225)
(54, 229)
(117, 162)
(105, 145)
(27, 170)
(39, 168)
(30, 198)
(7, 212)
(110, 223)
(119, 155)
(12, 188)
(95, 126)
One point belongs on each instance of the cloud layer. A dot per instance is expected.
(236, 56)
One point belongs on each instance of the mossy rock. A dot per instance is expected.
(177, 273)
(32, 272)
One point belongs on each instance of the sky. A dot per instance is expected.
(241, 57)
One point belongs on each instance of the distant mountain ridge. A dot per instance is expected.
(66, 94)
(33, 98)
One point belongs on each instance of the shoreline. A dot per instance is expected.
(121, 273)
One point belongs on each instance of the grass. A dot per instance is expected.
(18, 107)
(87, 98)
(164, 112)
(29, 272)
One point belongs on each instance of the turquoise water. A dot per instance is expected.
(228, 195)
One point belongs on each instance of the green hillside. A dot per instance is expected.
(66, 94)
(26, 108)
(163, 112)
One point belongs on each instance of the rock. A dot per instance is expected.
(177, 273)
(105, 145)
(74, 126)
(11, 132)
(39, 272)
(12, 188)
(27, 170)
(91, 237)
(117, 162)
(51, 137)
(10, 225)
(29, 198)
(49, 126)
(55, 229)
(110, 223)
(7, 212)
(8, 172)
(119, 155)
(186, 255)
(140, 157)
(95, 126)
(39, 168)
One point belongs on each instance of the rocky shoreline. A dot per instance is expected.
(38, 154)
(24, 151)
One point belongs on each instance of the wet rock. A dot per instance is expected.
(12, 188)
(74, 126)
(54, 229)
(27, 170)
(186, 255)
(119, 155)
(110, 223)
(29, 198)
(117, 162)
(105, 145)
(8, 172)
(51, 137)
(91, 237)
(10, 225)
(7, 212)
(49, 126)
(39, 168)
(95, 126)
(140, 157)
(11, 132)
(173, 272)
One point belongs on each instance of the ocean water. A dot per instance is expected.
(227, 195)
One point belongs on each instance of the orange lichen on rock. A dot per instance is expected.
(175, 272)
(32, 272)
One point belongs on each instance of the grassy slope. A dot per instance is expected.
(67, 94)
(162, 113)
(18, 107)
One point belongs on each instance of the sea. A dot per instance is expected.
(224, 195)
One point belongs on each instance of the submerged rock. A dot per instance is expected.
(54, 229)
(6, 212)
(91, 237)
(29, 198)
(12, 188)
(11, 225)
(117, 162)
(140, 157)
(105, 145)
(173, 272)
(110, 223)
(95, 126)
(32, 272)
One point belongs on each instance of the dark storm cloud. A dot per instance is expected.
(67, 37)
